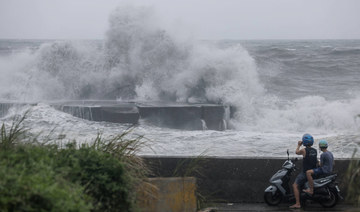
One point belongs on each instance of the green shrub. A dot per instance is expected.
(39, 176)
(101, 174)
(28, 182)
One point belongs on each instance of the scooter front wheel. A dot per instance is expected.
(272, 199)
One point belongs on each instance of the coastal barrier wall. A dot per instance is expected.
(231, 179)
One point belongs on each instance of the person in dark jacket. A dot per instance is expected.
(309, 162)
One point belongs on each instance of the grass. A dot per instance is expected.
(193, 167)
(102, 175)
(353, 179)
(11, 137)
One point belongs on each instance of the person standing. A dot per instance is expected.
(309, 162)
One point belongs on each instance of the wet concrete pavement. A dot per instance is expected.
(226, 207)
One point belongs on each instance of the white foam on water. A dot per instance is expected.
(43, 119)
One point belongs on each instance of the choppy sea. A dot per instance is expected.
(281, 88)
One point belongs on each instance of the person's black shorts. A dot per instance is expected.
(301, 179)
(318, 171)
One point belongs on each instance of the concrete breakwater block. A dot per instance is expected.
(171, 115)
(108, 111)
(214, 116)
(178, 117)
(184, 116)
(5, 106)
(175, 194)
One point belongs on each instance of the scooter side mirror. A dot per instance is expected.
(287, 151)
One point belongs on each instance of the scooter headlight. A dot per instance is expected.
(288, 164)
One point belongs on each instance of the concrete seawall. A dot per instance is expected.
(232, 179)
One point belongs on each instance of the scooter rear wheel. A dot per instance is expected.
(331, 202)
(272, 199)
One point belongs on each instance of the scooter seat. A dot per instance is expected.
(321, 176)
(324, 180)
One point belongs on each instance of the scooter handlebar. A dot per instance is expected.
(295, 160)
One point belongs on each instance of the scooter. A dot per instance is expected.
(326, 190)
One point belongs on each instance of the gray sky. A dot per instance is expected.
(206, 19)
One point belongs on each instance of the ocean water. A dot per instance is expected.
(281, 88)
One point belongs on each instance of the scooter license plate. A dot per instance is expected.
(337, 188)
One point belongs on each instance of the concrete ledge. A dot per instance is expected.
(175, 194)
(233, 179)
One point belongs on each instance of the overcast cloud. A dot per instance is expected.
(206, 19)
